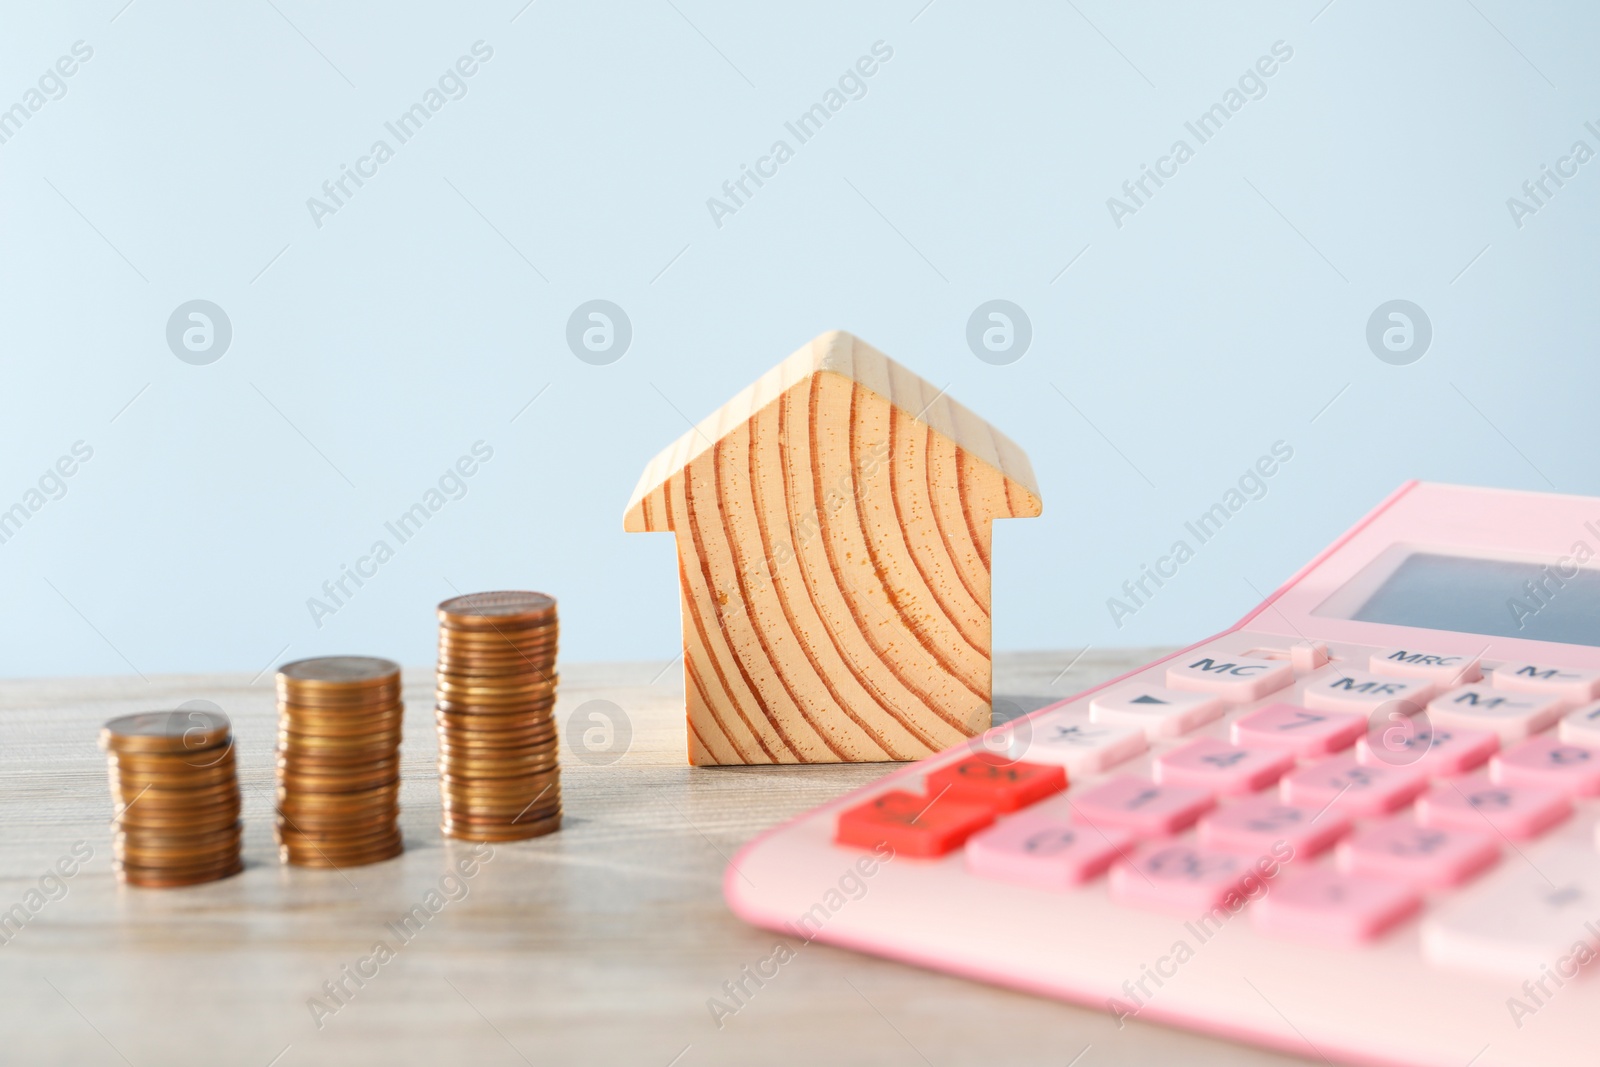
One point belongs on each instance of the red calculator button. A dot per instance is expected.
(911, 824)
(1002, 784)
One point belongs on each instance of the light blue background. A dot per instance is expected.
(1224, 316)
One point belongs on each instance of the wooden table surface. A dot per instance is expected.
(600, 944)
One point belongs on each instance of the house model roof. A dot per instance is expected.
(846, 355)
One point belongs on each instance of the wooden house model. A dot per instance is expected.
(833, 533)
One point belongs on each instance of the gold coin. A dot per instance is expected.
(335, 758)
(510, 832)
(353, 800)
(158, 878)
(177, 731)
(498, 608)
(525, 786)
(338, 859)
(498, 765)
(468, 793)
(220, 821)
(341, 731)
(340, 671)
(131, 785)
(175, 800)
(185, 837)
(176, 762)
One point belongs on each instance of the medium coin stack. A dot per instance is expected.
(499, 779)
(176, 791)
(339, 761)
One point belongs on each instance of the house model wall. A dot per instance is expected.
(833, 532)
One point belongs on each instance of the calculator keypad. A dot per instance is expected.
(1511, 715)
(996, 782)
(1397, 773)
(1298, 730)
(1352, 787)
(1520, 919)
(1514, 812)
(1141, 806)
(1328, 907)
(1362, 693)
(1547, 762)
(1210, 763)
(912, 824)
(1179, 877)
(1046, 850)
(1437, 751)
(1084, 748)
(1255, 825)
(1569, 683)
(1444, 671)
(1158, 711)
(1422, 857)
(1236, 679)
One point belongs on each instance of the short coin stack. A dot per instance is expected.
(339, 761)
(176, 791)
(499, 779)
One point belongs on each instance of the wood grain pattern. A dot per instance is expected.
(833, 531)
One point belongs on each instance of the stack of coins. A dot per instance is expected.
(176, 791)
(498, 775)
(339, 761)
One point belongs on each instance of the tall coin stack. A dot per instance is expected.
(176, 791)
(499, 779)
(339, 761)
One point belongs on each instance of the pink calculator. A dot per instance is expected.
(1358, 826)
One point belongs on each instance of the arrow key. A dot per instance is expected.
(1158, 711)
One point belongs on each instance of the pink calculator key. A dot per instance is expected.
(1323, 906)
(1181, 878)
(1298, 730)
(1547, 763)
(1259, 824)
(1213, 764)
(1356, 788)
(1047, 851)
(1437, 751)
(1140, 805)
(1475, 803)
(1422, 857)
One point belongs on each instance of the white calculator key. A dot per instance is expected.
(1439, 669)
(1236, 679)
(1307, 656)
(1524, 917)
(1338, 689)
(1569, 683)
(1158, 712)
(1514, 716)
(1581, 726)
(1069, 739)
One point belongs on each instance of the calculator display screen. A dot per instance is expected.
(1499, 598)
